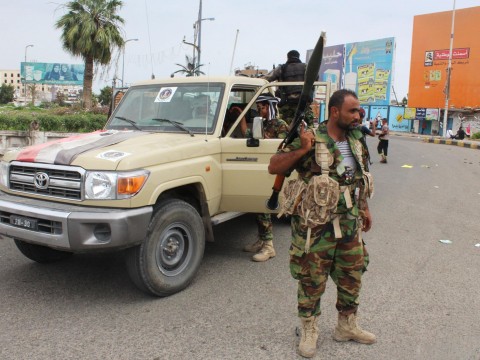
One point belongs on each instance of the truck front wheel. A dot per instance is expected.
(41, 254)
(168, 259)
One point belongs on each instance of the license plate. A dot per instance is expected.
(23, 222)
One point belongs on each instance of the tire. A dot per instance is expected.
(41, 254)
(167, 260)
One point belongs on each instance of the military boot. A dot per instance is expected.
(308, 342)
(347, 329)
(255, 247)
(266, 252)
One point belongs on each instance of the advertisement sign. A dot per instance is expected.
(52, 73)
(377, 113)
(409, 113)
(397, 121)
(430, 58)
(432, 114)
(420, 113)
(331, 69)
(368, 70)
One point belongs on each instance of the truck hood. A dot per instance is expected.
(115, 150)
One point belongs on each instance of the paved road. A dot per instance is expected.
(421, 297)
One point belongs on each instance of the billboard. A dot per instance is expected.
(369, 70)
(52, 73)
(397, 121)
(331, 69)
(430, 56)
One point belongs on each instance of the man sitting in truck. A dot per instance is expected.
(201, 108)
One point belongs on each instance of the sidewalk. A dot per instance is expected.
(472, 144)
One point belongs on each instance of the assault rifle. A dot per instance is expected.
(311, 74)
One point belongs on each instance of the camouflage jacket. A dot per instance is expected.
(273, 129)
(308, 167)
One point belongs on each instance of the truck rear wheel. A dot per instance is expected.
(168, 259)
(39, 253)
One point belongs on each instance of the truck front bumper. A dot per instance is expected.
(71, 227)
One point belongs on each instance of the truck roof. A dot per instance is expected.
(202, 79)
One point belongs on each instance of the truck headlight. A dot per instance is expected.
(4, 173)
(105, 185)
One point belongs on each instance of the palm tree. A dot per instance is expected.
(190, 69)
(91, 30)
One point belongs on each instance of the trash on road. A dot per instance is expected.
(477, 245)
(407, 166)
(446, 241)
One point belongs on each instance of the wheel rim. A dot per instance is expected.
(173, 250)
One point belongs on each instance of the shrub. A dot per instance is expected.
(56, 118)
(475, 135)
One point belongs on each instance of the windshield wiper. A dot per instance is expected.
(177, 124)
(133, 123)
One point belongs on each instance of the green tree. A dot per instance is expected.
(91, 30)
(190, 69)
(105, 97)
(6, 93)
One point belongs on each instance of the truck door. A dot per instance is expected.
(246, 183)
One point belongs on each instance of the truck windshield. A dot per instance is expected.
(193, 106)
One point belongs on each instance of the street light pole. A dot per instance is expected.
(449, 72)
(25, 75)
(198, 32)
(123, 58)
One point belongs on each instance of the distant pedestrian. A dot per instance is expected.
(382, 147)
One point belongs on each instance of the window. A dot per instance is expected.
(163, 108)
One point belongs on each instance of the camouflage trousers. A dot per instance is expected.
(287, 113)
(264, 225)
(345, 260)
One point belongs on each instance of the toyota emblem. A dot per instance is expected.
(41, 180)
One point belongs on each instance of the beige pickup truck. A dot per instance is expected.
(170, 163)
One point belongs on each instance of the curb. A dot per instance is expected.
(466, 144)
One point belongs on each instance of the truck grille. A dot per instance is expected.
(50, 180)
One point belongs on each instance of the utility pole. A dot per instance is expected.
(449, 73)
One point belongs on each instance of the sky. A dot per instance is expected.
(248, 32)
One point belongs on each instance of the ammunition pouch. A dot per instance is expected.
(292, 196)
(320, 200)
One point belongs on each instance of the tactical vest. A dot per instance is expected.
(316, 202)
(293, 72)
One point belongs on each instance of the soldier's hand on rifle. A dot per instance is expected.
(307, 137)
(283, 162)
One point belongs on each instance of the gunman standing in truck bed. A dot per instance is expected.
(292, 70)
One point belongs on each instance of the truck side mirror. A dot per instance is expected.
(257, 132)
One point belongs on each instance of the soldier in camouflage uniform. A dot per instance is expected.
(336, 247)
(292, 70)
(273, 128)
